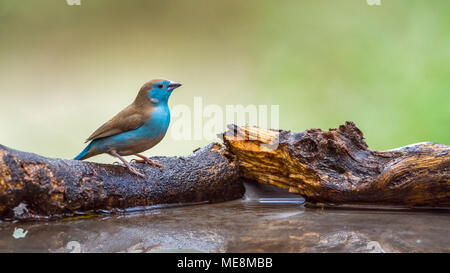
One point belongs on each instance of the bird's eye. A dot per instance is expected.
(160, 86)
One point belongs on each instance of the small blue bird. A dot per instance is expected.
(137, 128)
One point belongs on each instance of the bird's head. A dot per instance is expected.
(156, 91)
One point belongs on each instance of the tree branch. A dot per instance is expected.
(32, 186)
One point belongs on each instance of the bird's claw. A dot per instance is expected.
(149, 162)
(133, 170)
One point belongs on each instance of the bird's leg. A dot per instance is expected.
(131, 169)
(147, 160)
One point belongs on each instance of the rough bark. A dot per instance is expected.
(32, 186)
(337, 167)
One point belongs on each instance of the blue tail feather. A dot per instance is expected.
(83, 153)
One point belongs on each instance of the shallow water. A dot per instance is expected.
(246, 225)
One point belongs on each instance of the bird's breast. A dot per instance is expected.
(149, 134)
(158, 121)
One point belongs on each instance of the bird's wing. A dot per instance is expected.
(126, 120)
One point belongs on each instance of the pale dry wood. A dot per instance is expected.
(337, 166)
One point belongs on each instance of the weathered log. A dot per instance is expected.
(333, 167)
(32, 186)
(337, 167)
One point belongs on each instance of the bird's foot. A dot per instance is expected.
(127, 165)
(133, 170)
(146, 160)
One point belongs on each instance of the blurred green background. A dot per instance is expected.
(64, 70)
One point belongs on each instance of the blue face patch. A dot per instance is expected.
(160, 92)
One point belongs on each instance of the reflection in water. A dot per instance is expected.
(238, 226)
(282, 200)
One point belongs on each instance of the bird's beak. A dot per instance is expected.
(173, 85)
